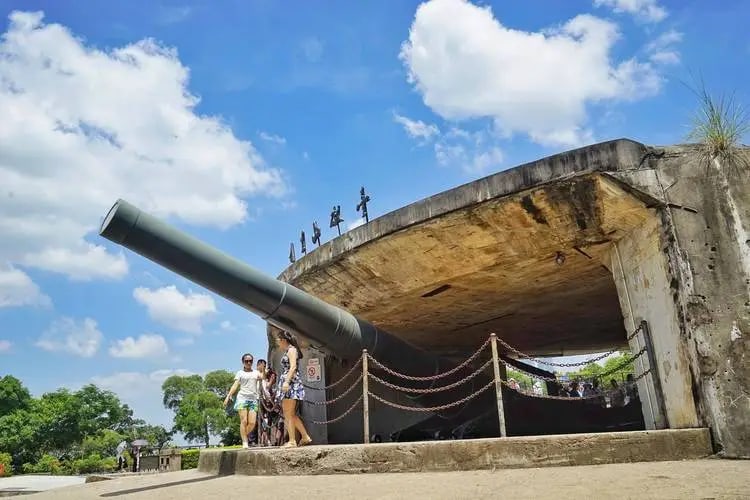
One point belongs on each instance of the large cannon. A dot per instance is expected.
(279, 303)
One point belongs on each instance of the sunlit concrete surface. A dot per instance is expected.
(16, 485)
(717, 479)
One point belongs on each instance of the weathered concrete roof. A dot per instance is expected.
(444, 271)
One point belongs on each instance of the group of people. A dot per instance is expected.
(618, 395)
(271, 401)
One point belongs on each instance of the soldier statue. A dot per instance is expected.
(336, 218)
(362, 205)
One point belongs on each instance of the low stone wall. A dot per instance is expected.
(478, 454)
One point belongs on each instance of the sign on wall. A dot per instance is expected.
(313, 370)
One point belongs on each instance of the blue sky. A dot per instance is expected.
(244, 121)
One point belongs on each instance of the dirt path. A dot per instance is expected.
(699, 479)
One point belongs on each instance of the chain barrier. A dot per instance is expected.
(468, 361)
(433, 408)
(340, 396)
(557, 381)
(366, 375)
(431, 390)
(564, 365)
(347, 412)
(331, 386)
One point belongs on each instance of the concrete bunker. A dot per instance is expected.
(566, 255)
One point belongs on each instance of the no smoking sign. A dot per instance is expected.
(313, 370)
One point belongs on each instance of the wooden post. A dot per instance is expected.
(365, 398)
(498, 385)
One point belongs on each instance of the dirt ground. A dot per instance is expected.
(699, 479)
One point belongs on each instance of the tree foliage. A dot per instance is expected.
(616, 367)
(197, 403)
(67, 431)
(13, 395)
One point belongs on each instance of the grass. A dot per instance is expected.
(719, 126)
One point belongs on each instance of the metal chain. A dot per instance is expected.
(433, 408)
(433, 377)
(341, 396)
(566, 365)
(431, 390)
(347, 412)
(331, 386)
(624, 363)
(568, 398)
(532, 375)
(556, 380)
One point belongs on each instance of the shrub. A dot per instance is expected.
(6, 464)
(93, 463)
(190, 459)
(46, 465)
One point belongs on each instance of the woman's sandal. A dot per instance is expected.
(306, 441)
(289, 445)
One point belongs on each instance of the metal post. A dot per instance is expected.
(654, 373)
(365, 398)
(498, 385)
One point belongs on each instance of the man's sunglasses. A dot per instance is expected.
(247, 360)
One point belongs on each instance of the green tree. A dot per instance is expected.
(156, 435)
(617, 365)
(104, 443)
(219, 382)
(13, 395)
(198, 404)
(523, 380)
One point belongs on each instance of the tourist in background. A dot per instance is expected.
(616, 395)
(291, 390)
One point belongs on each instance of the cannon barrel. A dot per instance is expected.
(278, 303)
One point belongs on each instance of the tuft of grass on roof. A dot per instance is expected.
(719, 125)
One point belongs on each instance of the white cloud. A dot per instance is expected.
(646, 10)
(145, 346)
(467, 65)
(80, 338)
(82, 126)
(5, 346)
(170, 307)
(17, 289)
(416, 129)
(227, 325)
(276, 139)
(662, 50)
(312, 48)
(473, 152)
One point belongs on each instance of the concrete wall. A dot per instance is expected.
(704, 225)
(640, 270)
(709, 215)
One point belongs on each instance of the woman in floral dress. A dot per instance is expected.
(291, 391)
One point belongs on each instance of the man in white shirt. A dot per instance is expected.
(247, 382)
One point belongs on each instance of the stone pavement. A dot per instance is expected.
(21, 484)
(707, 478)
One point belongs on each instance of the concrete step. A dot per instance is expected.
(474, 454)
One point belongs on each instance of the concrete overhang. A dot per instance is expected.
(521, 253)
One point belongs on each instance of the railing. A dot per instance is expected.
(369, 364)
